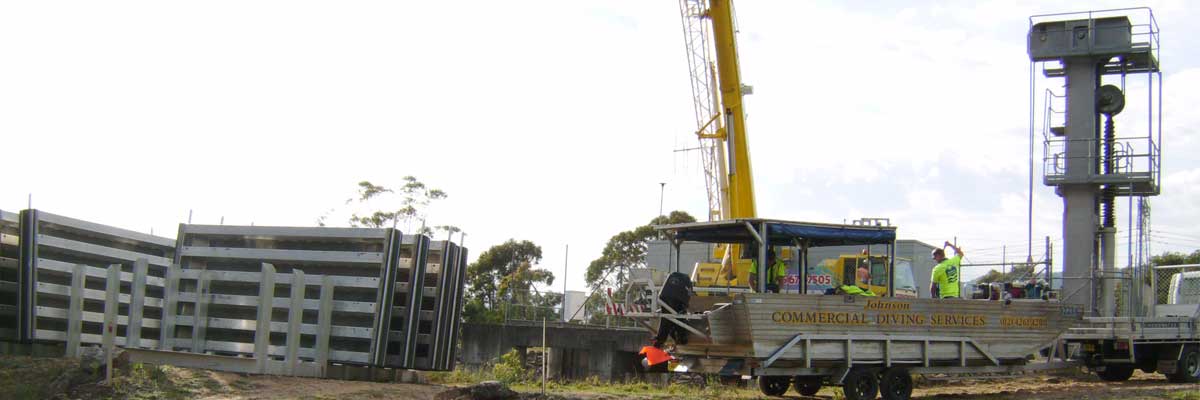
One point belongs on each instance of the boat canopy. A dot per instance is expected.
(780, 233)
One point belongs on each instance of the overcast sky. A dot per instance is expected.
(550, 121)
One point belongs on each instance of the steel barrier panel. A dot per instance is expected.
(51, 246)
(10, 280)
(357, 261)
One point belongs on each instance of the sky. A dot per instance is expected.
(553, 121)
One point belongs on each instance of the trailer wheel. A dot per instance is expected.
(1115, 373)
(773, 385)
(807, 385)
(1188, 368)
(896, 384)
(860, 384)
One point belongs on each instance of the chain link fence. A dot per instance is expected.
(1177, 284)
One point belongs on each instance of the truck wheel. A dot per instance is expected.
(896, 384)
(860, 384)
(1188, 368)
(807, 385)
(1115, 373)
(773, 385)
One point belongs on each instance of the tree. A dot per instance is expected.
(506, 273)
(1173, 258)
(414, 199)
(1016, 272)
(627, 250)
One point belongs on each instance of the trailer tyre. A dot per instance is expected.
(860, 384)
(773, 385)
(1115, 373)
(1188, 369)
(896, 384)
(807, 385)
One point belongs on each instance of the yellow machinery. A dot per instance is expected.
(866, 272)
(720, 119)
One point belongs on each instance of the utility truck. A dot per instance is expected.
(1166, 341)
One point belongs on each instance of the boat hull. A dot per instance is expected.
(820, 330)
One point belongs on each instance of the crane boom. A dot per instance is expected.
(729, 80)
(717, 98)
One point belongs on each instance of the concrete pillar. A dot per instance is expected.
(1080, 211)
(524, 352)
(600, 361)
(554, 362)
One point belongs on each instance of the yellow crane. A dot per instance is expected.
(717, 90)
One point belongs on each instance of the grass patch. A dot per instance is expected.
(1185, 395)
(141, 381)
(31, 377)
(460, 377)
(640, 389)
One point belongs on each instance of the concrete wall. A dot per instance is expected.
(577, 351)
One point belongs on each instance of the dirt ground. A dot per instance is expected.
(41, 378)
(1073, 387)
(1141, 386)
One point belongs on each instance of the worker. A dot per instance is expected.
(854, 290)
(775, 273)
(945, 278)
(863, 275)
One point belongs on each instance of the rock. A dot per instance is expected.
(490, 390)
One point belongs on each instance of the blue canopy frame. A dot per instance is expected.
(750, 231)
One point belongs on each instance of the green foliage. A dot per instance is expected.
(1173, 258)
(1185, 395)
(459, 376)
(509, 370)
(627, 250)
(414, 197)
(506, 274)
(1014, 273)
(476, 311)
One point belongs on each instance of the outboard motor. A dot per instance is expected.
(675, 294)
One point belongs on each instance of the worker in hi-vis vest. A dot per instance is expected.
(775, 273)
(944, 281)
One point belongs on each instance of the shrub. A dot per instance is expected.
(510, 370)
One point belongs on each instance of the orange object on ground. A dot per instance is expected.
(654, 355)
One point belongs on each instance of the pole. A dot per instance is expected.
(662, 188)
(566, 258)
(545, 355)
